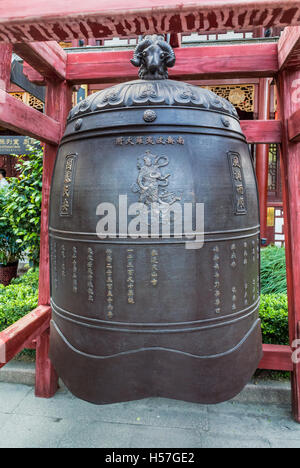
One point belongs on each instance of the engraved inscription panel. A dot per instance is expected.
(109, 283)
(90, 274)
(238, 183)
(130, 276)
(154, 267)
(113, 279)
(216, 267)
(54, 263)
(68, 185)
(149, 140)
(74, 270)
(63, 261)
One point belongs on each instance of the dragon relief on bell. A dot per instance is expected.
(151, 184)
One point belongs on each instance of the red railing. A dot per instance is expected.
(32, 331)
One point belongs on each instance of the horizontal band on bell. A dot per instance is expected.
(189, 326)
(168, 241)
(60, 231)
(89, 237)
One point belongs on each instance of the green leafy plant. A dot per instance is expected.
(273, 302)
(273, 313)
(10, 249)
(273, 270)
(24, 207)
(19, 298)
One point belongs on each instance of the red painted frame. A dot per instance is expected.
(60, 71)
(42, 20)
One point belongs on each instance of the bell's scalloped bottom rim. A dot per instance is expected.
(192, 395)
(155, 348)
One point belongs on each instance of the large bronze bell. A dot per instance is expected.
(154, 243)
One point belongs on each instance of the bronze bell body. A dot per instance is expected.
(154, 243)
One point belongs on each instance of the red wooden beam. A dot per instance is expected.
(276, 357)
(209, 62)
(17, 116)
(262, 131)
(226, 61)
(32, 75)
(47, 58)
(28, 328)
(294, 126)
(289, 48)
(37, 20)
(100, 67)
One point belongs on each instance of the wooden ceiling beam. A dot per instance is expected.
(47, 58)
(44, 20)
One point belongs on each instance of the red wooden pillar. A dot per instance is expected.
(5, 66)
(58, 104)
(262, 155)
(289, 89)
(46, 380)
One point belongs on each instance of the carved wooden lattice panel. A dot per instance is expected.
(241, 96)
(19, 96)
(29, 99)
(65, 44)
(35, 102)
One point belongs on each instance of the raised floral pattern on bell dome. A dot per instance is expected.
(153, 93)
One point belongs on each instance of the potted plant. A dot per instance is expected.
(10, 249)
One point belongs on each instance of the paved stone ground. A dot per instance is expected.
(64, 421)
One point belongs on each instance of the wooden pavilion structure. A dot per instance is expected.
(32, 29)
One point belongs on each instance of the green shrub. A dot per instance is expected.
(19, 298)
(31, 278)
(273, 313)
(273, 303)
(273, 270)
(24, 207)
(10, 249)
